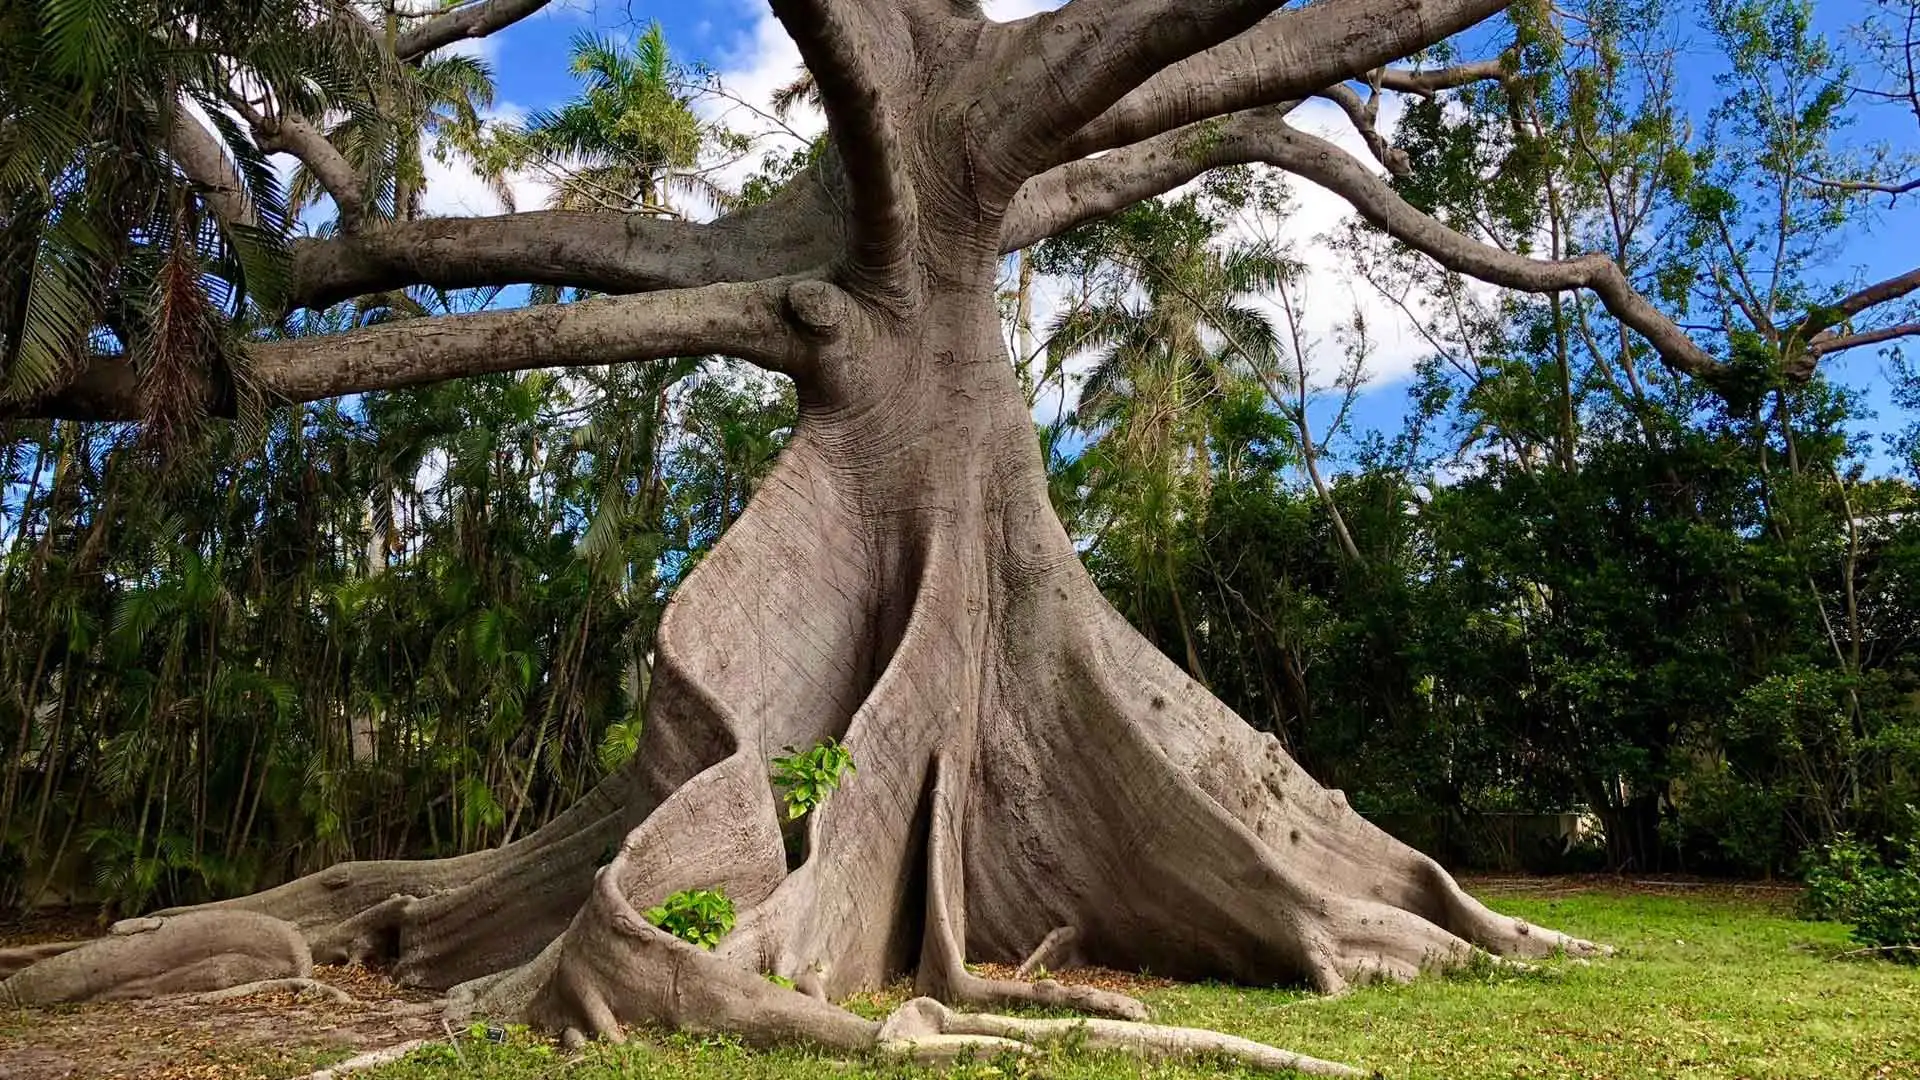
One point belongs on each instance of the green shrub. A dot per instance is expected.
(809, 776)
(1878, 897)
(698, 916)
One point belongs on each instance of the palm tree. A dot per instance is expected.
(630, 142)
(432, 106)
(107, 245)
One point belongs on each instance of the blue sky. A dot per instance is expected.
(740, 40)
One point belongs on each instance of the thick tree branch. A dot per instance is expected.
(469, 20)
(1080, 191)
(743, 320)
(1842, 342)
(849, 57)
(595, 250)
(1076, 61)
(1880, 292)
(204, 161)
(293, 134)
(1336, 170)
(1289, 55)
(1364, 116)
(602, 251)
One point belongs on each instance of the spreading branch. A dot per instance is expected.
(471, 20)
(1880, 292)
(1365, 118)
(1083, 190)
(290, 133)
(595, 250)
(1873, 187)
(743, 320)
(1289, 55)
(1077, 192)
(848, 57)
(1329, 166)
(1078, 60)
(1843, 342)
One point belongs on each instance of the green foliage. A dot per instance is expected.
(1877, 897)
(697, 916)
(810, 776)
(315, 647)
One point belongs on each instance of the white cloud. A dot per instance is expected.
(752, 65)
(454, 189)
(1332, 291)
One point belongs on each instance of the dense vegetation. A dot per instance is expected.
(419, 622)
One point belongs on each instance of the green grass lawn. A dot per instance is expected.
(1702, 986)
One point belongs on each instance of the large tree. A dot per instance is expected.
(1030, 770)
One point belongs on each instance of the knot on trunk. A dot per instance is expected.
(818, 308)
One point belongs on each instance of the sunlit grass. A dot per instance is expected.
(1701, 987)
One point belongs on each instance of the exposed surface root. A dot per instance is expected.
(1052, 952)
(186, 954)
(370, 1059)
(297, 987)
(925, 1025)
(21, 956)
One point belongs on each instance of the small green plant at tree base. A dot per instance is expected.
(781, 981)
(1879, 898)
(697, 916)
(809, 776)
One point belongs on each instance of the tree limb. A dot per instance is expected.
(204, 161)
(1842, 342)
(1870, 186)
(1336, 170)
(1288, 55)
(1075, 61)
(1077, 192)
(1847, 307)
(796, 231)
(289, 133)
(1364, 122)
(848, 57)
(1083, 190)
(1433, 80)
(472, 20)
(743, 320)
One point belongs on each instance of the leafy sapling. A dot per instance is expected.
(698, 916)
(810, 776)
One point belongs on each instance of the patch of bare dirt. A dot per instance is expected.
(1131, 983)
(263, 1037)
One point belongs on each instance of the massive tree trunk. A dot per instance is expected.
(1027, 762)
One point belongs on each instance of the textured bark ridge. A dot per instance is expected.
(1033, 775)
